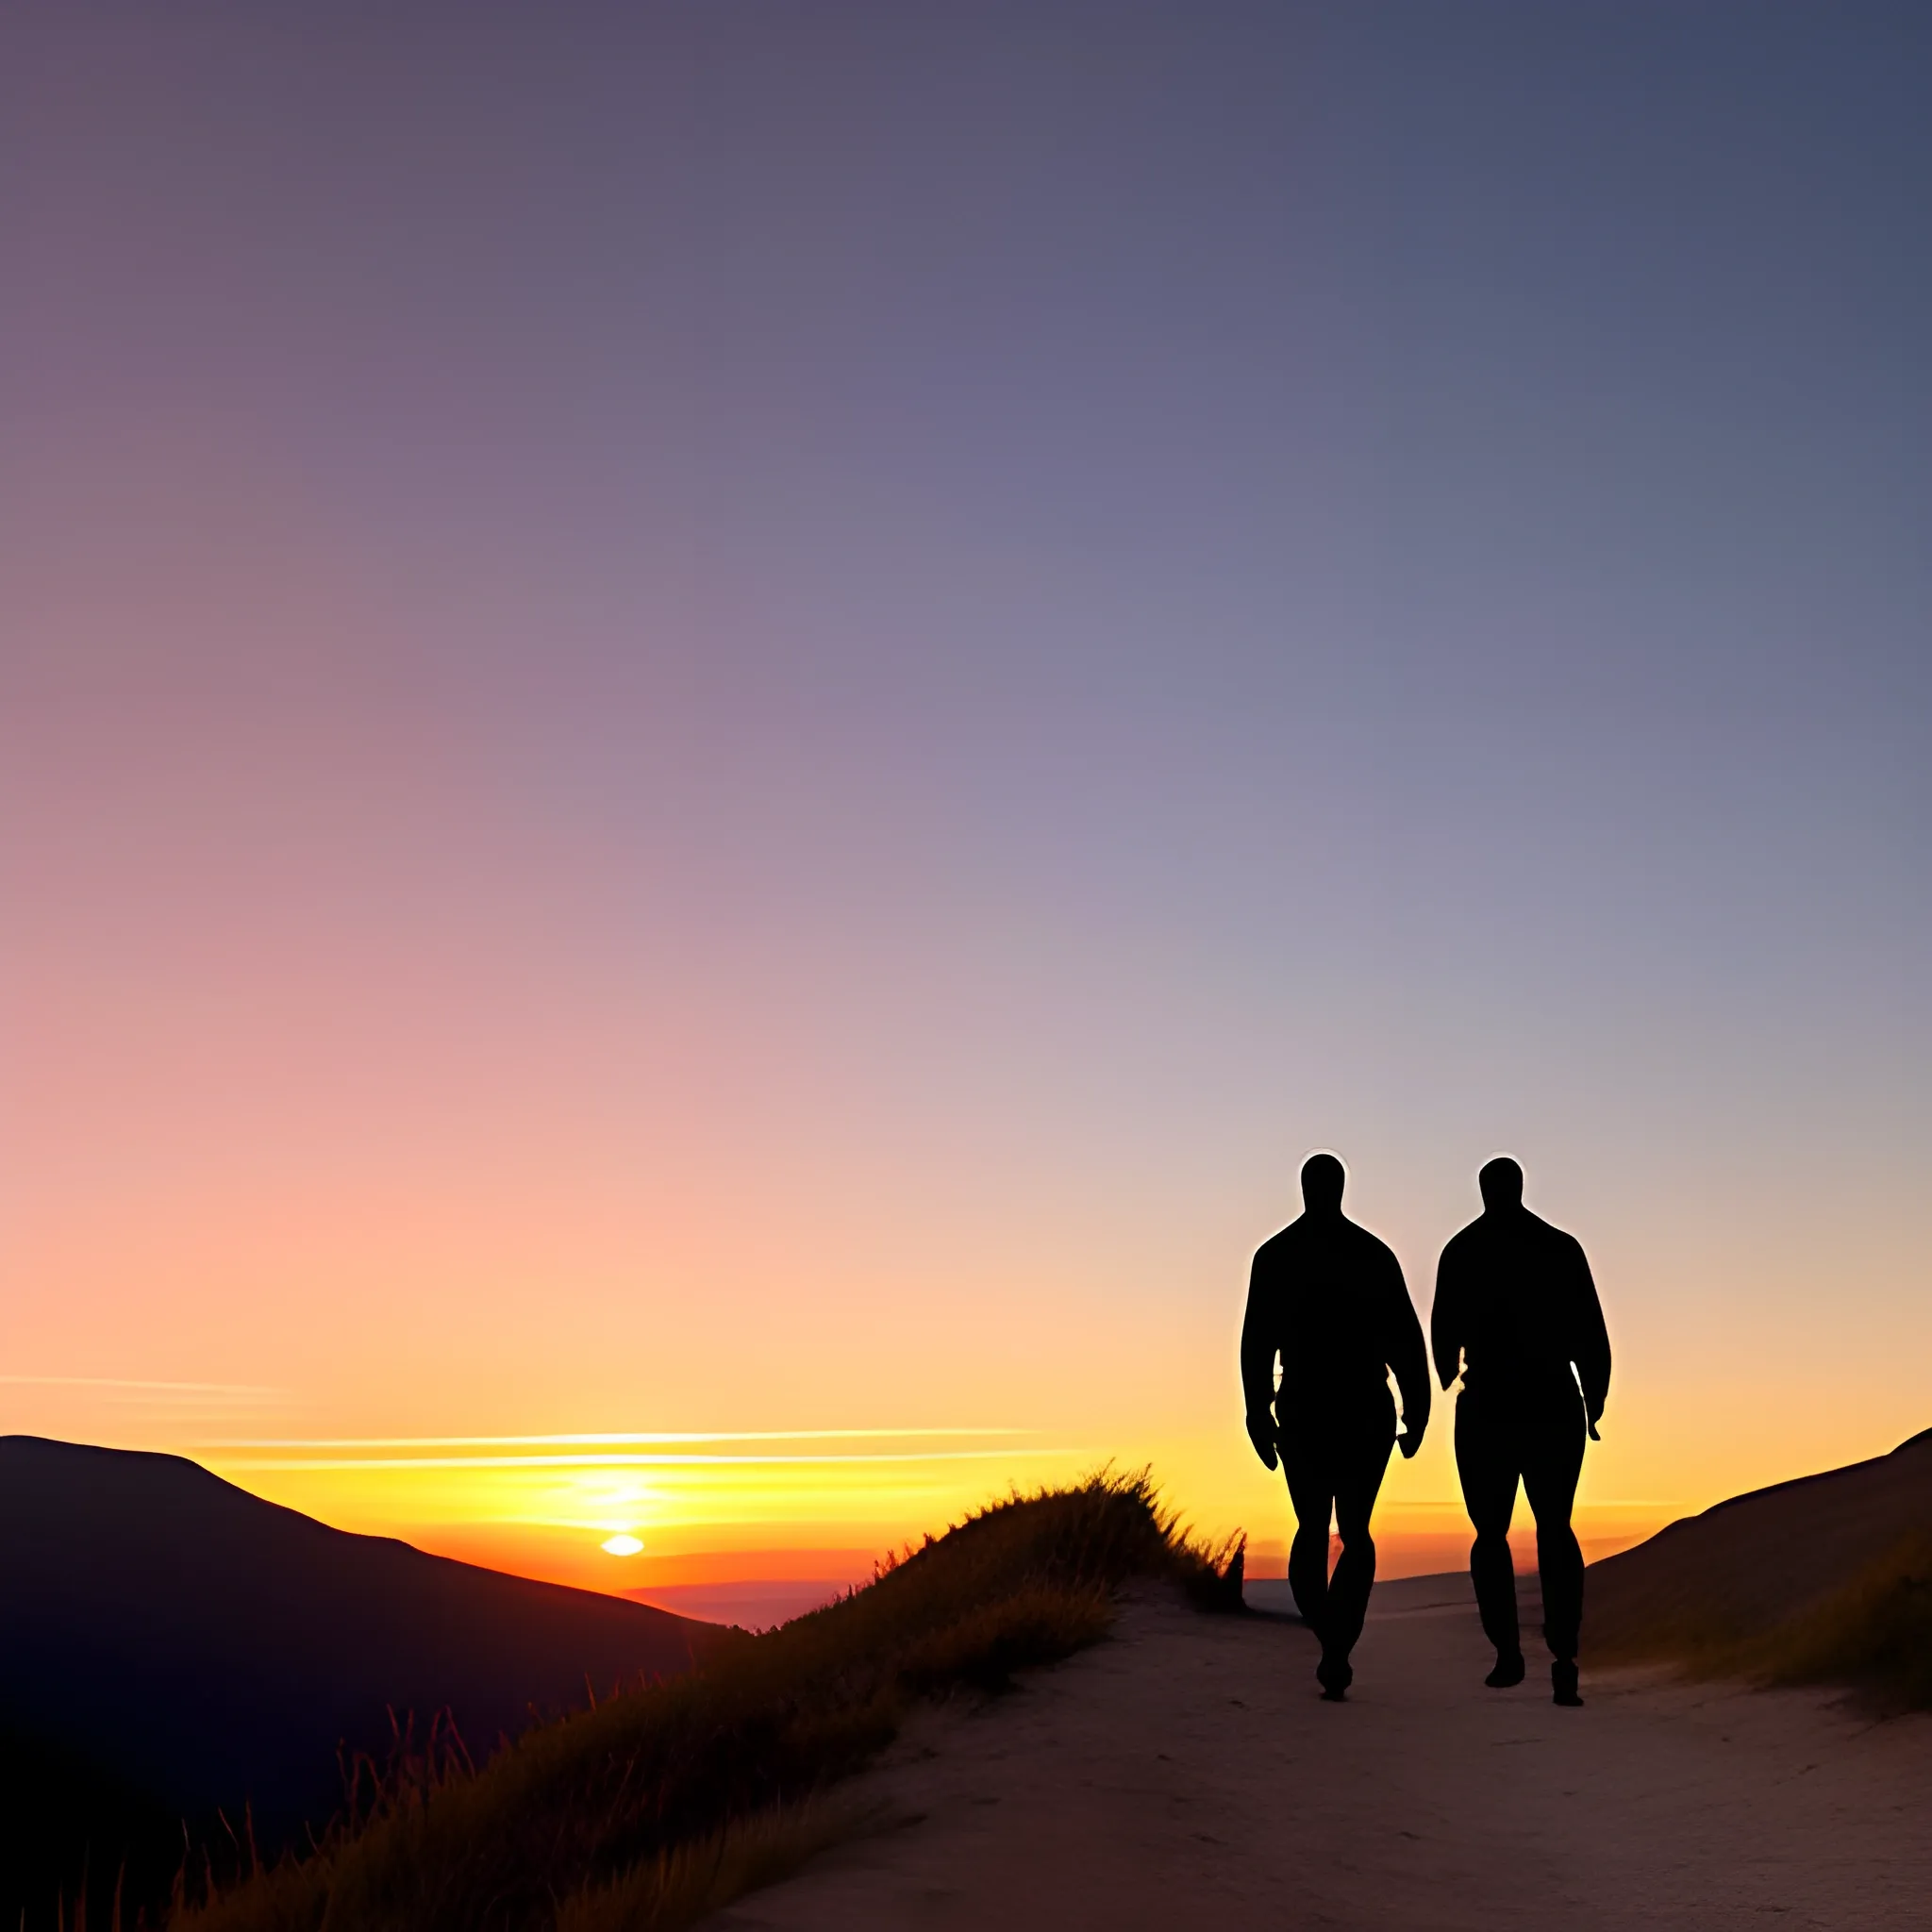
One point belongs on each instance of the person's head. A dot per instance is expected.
(1321, 1180)
(1501, 1181)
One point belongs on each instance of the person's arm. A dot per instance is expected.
(1589, 1341)
(1260, 1334)
(1446, 1317)
(1409, 1360)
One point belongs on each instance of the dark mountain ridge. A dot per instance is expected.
(207, 1649)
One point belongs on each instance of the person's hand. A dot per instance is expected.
(1261, 1434)
(1408, 1441)
(1590, 1422)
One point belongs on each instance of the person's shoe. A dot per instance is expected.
(1335, 1675)
(1509, 1671)
(1563, 1682)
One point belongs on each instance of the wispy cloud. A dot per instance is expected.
(626, 1460)
(632, 1449)
(126, 1382)
(130, 1389)
(616, 1439)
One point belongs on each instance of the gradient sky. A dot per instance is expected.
(722, 721)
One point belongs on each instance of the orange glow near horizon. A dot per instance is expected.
(770, 1504)
(550, 1507)
(813, 1503)
(796, 1496)
(712, 1520)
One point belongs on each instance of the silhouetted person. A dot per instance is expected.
(1517, 1312)
(1329, 1299)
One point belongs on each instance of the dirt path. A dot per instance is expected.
(1185, 1770)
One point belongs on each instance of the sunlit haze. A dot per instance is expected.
(721, 729)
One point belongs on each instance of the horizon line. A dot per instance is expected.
(590, 1437)
(399, 1462)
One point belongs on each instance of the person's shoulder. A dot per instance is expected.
(1281, 1242)
(1557, 1237)
(1464, 1240)
(1372, 1244)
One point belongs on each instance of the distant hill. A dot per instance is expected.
(195, 1646)
(1762, 1562)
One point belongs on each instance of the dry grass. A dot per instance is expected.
(1819, 1579)
(658, 1806)
(681, 1886)
(1874, 1633)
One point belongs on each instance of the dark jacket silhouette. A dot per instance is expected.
(1328, 1300)
(1516, 1313)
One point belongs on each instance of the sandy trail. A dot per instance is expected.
(1186, 1770)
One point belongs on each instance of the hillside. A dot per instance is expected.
(172, 1640)
(1764, 1576)
(664, 1802)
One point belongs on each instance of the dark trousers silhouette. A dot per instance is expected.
(1537, 1437)
(1334, 1463)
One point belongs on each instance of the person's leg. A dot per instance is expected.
(1362, 1459)
(1553, 1459)
(1309, 1488)
(1486, 1463)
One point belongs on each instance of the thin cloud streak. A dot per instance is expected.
(613, 1438)
(631, 1461)
(248, 1388)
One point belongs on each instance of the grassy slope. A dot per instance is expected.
(661, 1804)
(1873, 1633)
(1876, 1633)
(1828, 1579)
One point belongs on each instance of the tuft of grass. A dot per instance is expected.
(653, 1807)
(683, 1885)
(1875, 1634)
(1691, 1633)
